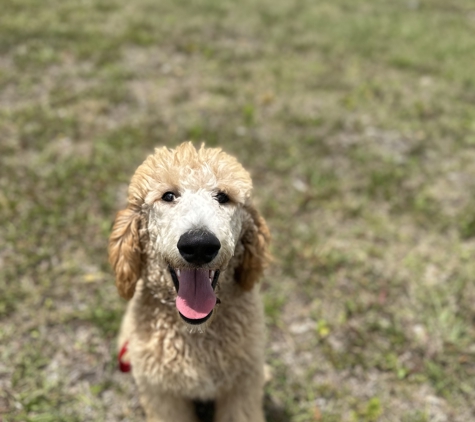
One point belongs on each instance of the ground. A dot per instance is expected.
(356, 119)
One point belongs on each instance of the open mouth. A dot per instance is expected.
(195, 293)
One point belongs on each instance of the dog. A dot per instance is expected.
(188, 251)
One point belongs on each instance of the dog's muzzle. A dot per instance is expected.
(195, 293)
(195, 286)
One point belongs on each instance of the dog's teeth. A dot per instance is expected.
(178, 273)
(211, 276)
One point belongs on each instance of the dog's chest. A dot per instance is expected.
(198, 365)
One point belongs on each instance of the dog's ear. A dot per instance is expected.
(125, 251)
(255, 239)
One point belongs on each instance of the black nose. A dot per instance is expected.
(198, 247)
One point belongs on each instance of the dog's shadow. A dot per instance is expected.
(274, 411)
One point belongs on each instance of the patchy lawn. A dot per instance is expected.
(356, 119)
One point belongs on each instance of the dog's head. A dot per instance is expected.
(190, 211)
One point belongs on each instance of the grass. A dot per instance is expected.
(356, 119)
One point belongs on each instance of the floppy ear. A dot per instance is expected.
(255, 239)
(125, 251)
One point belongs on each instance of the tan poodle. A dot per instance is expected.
(188, 250)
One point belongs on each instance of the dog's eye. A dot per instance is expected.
(168, 196)
(222, 198)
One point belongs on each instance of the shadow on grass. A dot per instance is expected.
(275, 412)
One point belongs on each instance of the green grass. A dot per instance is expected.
(356, 119)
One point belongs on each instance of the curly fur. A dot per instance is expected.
(175, 364)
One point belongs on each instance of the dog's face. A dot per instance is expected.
(193, 231)
(195, 209)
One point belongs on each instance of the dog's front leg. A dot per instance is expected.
(243, 403)
(165, 407)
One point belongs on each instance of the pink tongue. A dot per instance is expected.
(196, 298)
